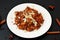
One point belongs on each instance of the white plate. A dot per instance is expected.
(43, 29)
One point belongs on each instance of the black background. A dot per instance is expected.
(7, 5)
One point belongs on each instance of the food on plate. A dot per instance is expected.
(28, 19)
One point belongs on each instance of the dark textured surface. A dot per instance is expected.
(7, 5)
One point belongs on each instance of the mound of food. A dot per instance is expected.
(28, 19)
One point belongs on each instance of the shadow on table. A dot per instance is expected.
(37, 38)
(0, 18)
